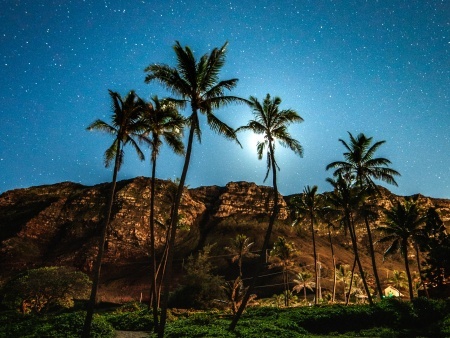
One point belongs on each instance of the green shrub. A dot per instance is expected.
(43, 289)
(67, 325)
(141, 320)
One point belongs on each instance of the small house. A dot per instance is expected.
(390, 291)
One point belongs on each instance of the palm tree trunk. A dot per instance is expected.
(316, 298)
(153, 300)
(173, 224)
(408, 273)
(355, 250)
(101, 249)
(333, 296)
(372, 256)
(265, 246)
(420, 272)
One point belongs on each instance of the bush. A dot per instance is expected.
(67, 325)
(200, 288)
(131, 317)
(43, 289)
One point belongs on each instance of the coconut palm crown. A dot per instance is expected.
(272, 123)
(361, 164)
(197, 84)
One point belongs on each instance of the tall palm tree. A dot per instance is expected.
(272, 123)
(403, 223)
(240, 248)
(197, 84)
(160, 120)
(308, 203)
(346, 198)
(124, 127)
(361, 164)
(282, 255)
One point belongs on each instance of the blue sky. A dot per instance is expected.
(377, 67)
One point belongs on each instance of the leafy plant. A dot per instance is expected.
(39, 290)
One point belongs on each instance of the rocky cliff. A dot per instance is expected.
(59, 224)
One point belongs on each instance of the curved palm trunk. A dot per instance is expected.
(372, 256)
(408, 273)
(420, 272)
(316, 298)
(101, 249)
(173, 229)
(153, 299)
(265, 246)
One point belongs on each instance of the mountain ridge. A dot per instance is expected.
(58, 224)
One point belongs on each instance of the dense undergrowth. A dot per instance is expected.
(389, 318)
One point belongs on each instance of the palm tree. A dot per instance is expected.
(364, 168)
(344, 275)
(160, 120)
(308, 204)
(240, 248)
(282, 255)
(302, 282)
(399, 279)
(346, 198)
(195, 83)
(124, 126)
(333, 295)
(272, 123)
(403, 223)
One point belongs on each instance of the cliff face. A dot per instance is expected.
(60, 224)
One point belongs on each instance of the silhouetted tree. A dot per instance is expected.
(272, 123)
(362, 165)
(403, 222)
(160, 120)
(346, 199)
(282, 254)
(240, 248)
(195, 83)
(124, 126)
(308, 205)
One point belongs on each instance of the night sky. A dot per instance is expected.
(377, 67)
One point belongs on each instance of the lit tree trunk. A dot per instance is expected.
(333, 296)
(408, 273)
(265, 246)
(101, 248)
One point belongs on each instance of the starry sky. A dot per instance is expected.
(377, 67)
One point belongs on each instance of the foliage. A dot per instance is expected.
(67, 325)
(200, 288)
(42, 289)
(131, 317)
(387, 318)
(235, 292)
